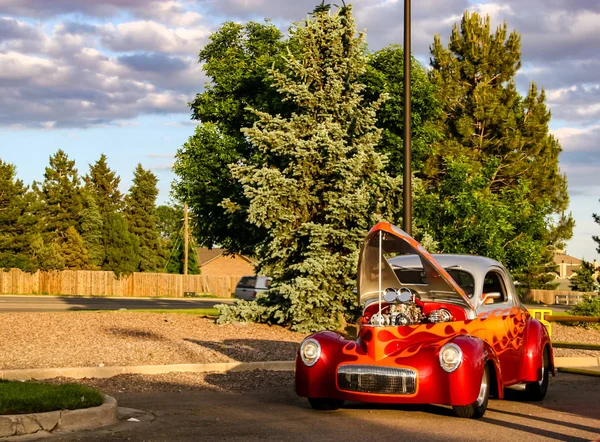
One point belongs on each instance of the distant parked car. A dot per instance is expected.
(250, 286)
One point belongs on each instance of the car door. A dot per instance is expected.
(246, 288)
(505, 321)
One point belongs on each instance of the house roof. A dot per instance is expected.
(569, 260)
(206, 255)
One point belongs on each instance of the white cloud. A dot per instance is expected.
(154, 36)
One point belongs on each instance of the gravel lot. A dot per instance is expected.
(86, 339)
(82, 339)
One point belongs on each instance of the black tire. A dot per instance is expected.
(536, 391)
(477, 408)
(319, 403)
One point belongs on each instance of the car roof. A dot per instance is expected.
(476, 265)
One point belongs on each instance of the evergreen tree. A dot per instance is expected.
(91, 227)
(46, 255)
(60, 199)
(583, 280)
(170, 225)
(122, 248)
(140, 212)
(321, 185)
(103, 184)
(176, 258)
(73, 251)
(504, 141)
(16, 222)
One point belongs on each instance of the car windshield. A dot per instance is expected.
(416, 276)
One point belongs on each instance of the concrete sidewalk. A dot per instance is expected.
(592, 363)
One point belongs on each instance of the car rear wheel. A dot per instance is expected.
(536, 391)
(319, 403)
(477, 408)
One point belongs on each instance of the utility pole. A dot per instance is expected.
(407, 191)
(185, 239)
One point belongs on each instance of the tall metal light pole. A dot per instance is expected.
(407, 196)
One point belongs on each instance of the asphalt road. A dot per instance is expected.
(570, 412)
(9, 303)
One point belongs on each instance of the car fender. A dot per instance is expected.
(311, 380)
(536, 340)
(465, 381)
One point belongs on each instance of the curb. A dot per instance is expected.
(65, 420)
(581, 371)
(577, 361)
(108, 372)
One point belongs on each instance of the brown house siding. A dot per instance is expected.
(228, 266)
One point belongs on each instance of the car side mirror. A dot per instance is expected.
(488, 298)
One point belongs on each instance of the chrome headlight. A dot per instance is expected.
(450, 357)
(310, 351)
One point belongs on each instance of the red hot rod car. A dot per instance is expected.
(435, 329)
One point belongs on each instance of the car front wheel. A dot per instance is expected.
(319, 403)
(536, 391)
(477, 408)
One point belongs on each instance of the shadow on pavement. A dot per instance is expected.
(248, 350)
(547, 420)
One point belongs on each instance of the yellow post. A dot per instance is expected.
(540, 315)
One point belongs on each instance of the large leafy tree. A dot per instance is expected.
(237, 61)
(505, 151)
(140, 212)
(321, 184)
(16, 222)
(385, 75)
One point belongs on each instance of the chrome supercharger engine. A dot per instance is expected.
(404, 308)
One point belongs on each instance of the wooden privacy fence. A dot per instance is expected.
(98, 283)
(557, 296)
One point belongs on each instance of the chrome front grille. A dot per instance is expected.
(375, 379)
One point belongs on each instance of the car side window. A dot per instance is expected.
(493, 283)
(247, 283)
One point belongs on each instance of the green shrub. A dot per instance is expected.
(588, 307)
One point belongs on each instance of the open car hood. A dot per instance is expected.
(386, 239)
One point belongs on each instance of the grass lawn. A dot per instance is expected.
(32, 397)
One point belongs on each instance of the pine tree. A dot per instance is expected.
(59, 197)
(322, 185)
(16, 222)
(46, 255)
(103, 184)
(140, 212)
(504, 140)
(91, 226)
(122, 255)
(73, 251)
(583, 280)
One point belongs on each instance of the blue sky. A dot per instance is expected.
(115, 77)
